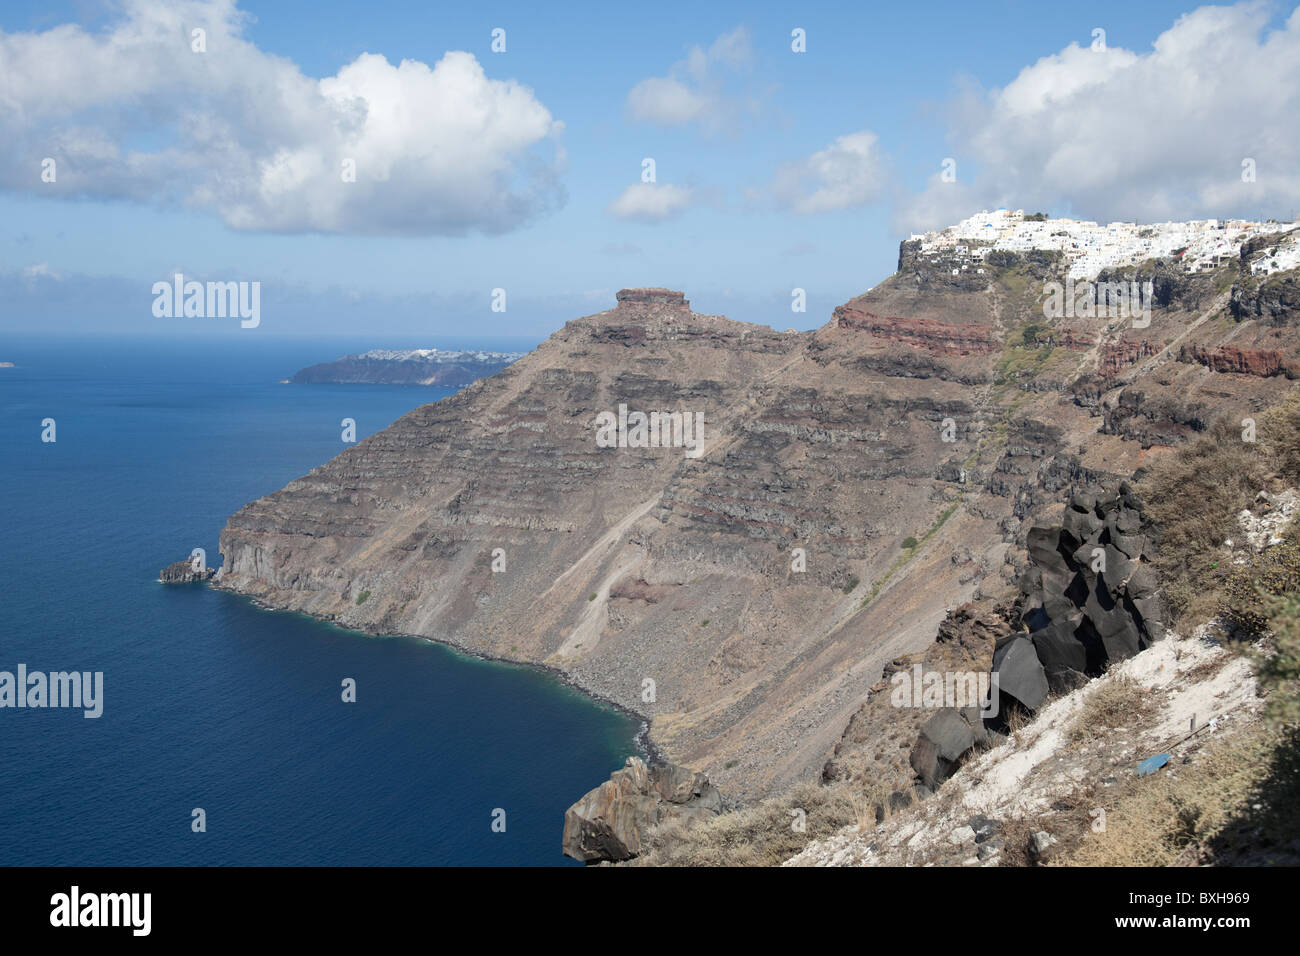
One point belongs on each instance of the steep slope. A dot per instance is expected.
(900, 447)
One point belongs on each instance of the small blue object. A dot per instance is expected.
(1152, 764)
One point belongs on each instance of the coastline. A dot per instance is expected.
(642, 742)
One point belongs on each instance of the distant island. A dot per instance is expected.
(6, 364)
(407, 367)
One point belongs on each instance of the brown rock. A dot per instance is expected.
(612, 822)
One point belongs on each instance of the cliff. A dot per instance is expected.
(853, 484)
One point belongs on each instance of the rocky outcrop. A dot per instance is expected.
(185, 572)
(1155, 419)
(1274, 300)
(1117, 356)
(613, 821)
(1228, 358)
(631, 300)
(1089, 598)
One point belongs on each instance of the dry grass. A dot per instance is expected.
(1112, 705)
(763, 834)
(1195, 496)
(1155, 820)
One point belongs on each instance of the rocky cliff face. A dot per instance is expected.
(184, 572)
(852, 485)
(613, 821)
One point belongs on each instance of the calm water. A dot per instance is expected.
(208, 701)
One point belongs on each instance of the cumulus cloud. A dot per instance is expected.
(700, 88)
(849, 172)
(651, 202)
(1116, 134)
(135, 113)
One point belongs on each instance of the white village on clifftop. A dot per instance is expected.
(1090, 247)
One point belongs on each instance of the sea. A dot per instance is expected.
(224, 737)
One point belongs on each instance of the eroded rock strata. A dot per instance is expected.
(855, 484)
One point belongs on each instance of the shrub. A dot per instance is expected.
(1273, 573)
(362, 598)
(1279, 673)
(1194, 497)
(909, 543)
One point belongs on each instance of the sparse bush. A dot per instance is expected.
(909, 543)
(362, 598)
(1279, 672)
(1274, 572)
(1194, 497)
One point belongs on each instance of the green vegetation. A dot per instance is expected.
(1018, 362)
(909, 543)
(851, 583)
(362, 598)
(1279, 673)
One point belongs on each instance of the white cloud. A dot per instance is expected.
(698, 88)
(247, 136)
(40, 270)
(849, 172)
(651, 202)
(1116, 134)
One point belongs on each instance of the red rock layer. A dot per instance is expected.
(1229, 358)
(941, 337)
(1116, 358)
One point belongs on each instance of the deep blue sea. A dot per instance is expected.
(210, 702)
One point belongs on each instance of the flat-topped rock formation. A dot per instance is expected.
(646, 299)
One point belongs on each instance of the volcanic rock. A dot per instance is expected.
(612, 821)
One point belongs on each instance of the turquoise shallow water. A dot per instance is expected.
(209, 701)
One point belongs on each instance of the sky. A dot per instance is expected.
(397, 169)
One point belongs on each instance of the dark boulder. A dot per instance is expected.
(1020, 674)
(944, 739)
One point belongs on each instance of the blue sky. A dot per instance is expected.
(774, 169)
